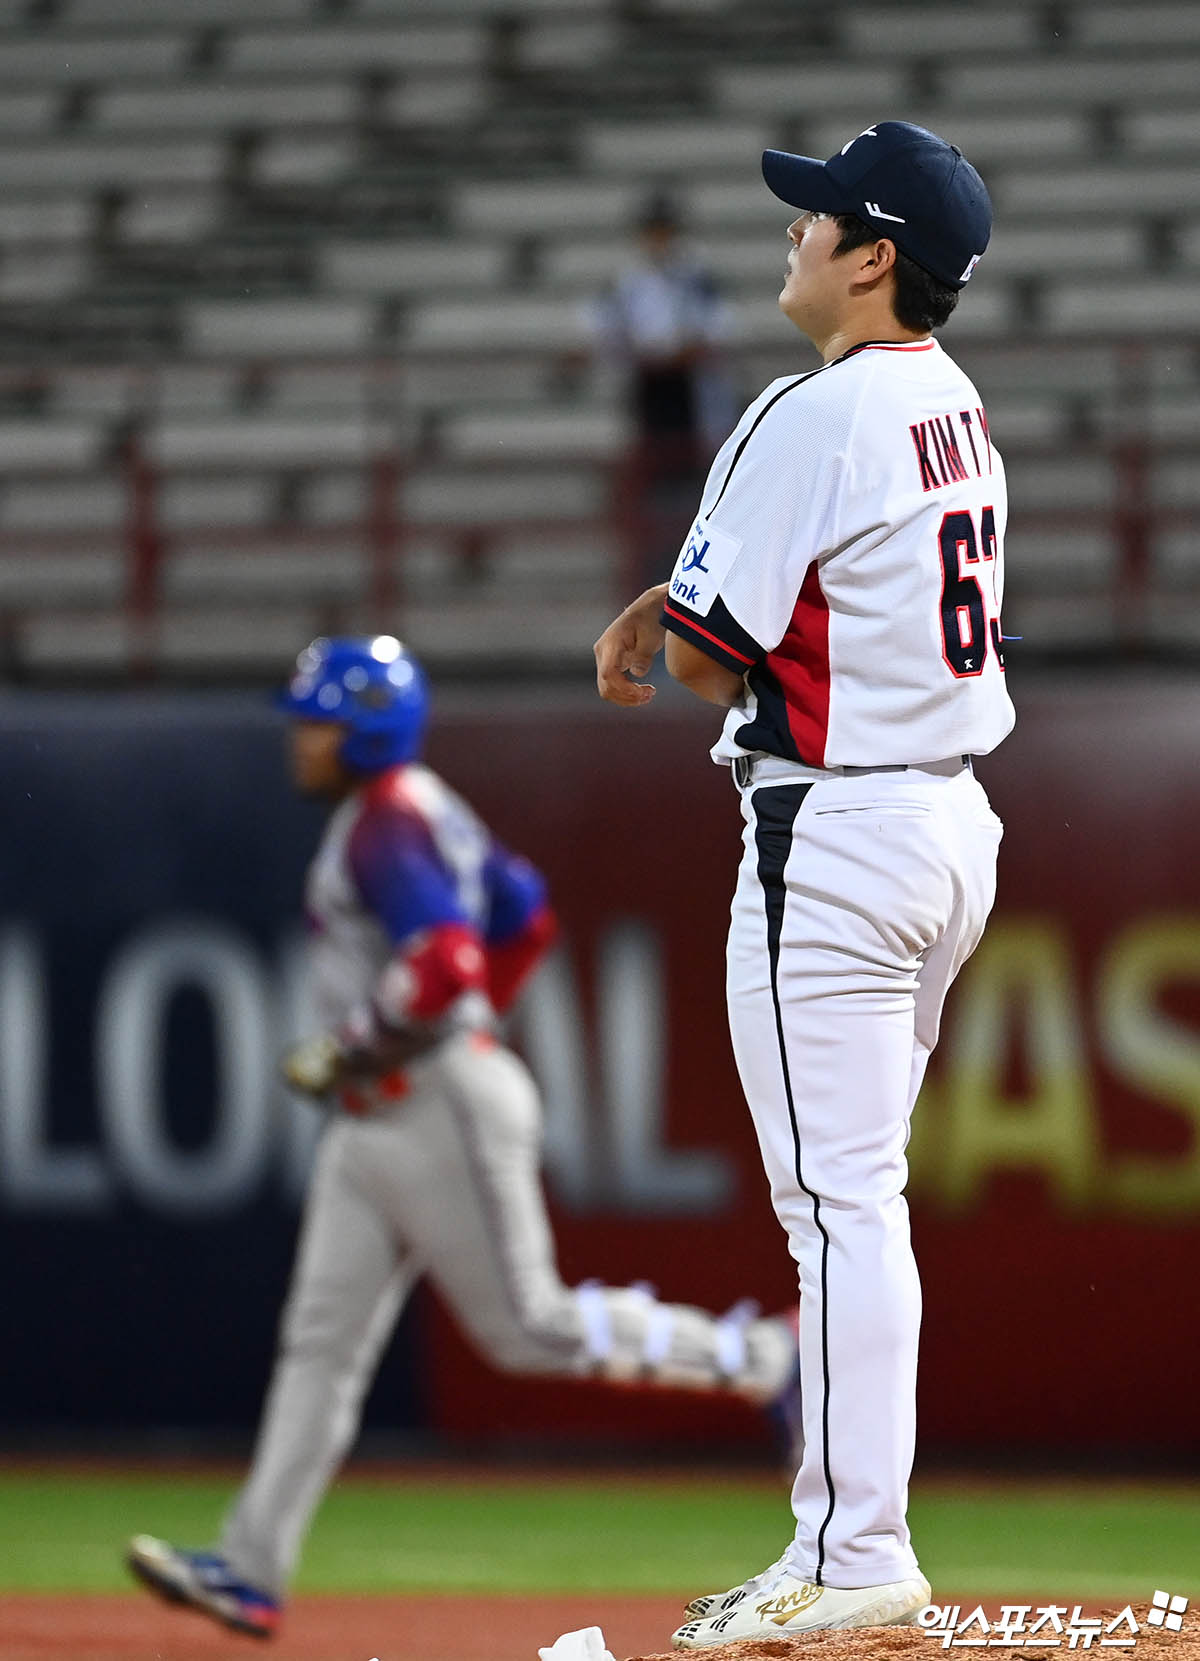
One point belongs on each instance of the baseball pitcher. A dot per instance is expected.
(839, 595)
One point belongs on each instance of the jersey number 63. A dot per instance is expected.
(968, 621)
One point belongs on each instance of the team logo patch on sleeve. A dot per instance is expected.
(702, 565)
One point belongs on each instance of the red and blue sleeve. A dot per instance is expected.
(405, 883)
(520, 926)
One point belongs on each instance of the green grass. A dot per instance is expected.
(63, 1531)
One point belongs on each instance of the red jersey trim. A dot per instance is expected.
(894, 346)
(800, 663)
(682, 617)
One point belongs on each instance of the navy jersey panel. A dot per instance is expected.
(400, 874)
(717, 634)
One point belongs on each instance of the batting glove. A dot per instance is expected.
(315, 1065)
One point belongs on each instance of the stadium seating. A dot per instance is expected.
(301, 291)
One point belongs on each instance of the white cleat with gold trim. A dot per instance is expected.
(782, 1606)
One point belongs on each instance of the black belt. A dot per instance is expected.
(743, 767)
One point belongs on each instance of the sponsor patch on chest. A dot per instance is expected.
(703, 562)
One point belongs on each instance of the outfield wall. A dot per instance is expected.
(150, 970)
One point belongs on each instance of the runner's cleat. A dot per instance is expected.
(204, 1581)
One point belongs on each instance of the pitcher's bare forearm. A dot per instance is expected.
(702, 675)
(628, 648)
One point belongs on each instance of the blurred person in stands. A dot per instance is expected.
(663, 324)
(424, 928)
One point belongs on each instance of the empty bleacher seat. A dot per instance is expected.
(62, 60)
(939, 30)
(321, 388)
(1028, 419)
(1081, 370)
(514, 206)
(450, 380)
(436, 99)
(466, 496)
(95, 577)
(474, 630)
(103, 392)
(277, 328)
(1176, 481)
(181, 215)
(856, 91)
(412, 266)
(219, 501)
(331, 50)
(233, 639)
(1096, 245)
(302, 159)
(722, 206)
(527, 435)
(98, 502)
(1043, 558)
(1058, 82)
(85, 642)
(255, 441)
(199, 574)
(1143, 24)
(571, 44)
(193, 388)
(205, 108)
(476, 8)
(588, 263)
(656, 147)
(1142, 305)
(501, 321)
(70, 164)
(49, 446)
(534, 557)
(1081, 482)
(334, 498)
(1176, 557)
(184, 13)
(670, 6)
(44, 219)
(1172, 416)
(1162, 132)
(42, 274)
(1189, 241)
(1117, 187)
(27, 112)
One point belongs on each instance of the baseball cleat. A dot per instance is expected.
(783, 1607)
(720, 1603)
(203, 1581)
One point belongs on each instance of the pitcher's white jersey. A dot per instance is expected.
(848, 554)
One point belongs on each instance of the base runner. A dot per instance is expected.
(424, 927)
(839, 595)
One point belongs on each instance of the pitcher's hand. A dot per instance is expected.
(628, 647)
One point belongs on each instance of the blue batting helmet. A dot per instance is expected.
(371, 685)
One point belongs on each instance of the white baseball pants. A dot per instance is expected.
(448, 1181)
(859, 897)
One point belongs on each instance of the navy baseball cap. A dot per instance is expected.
(913, 186)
